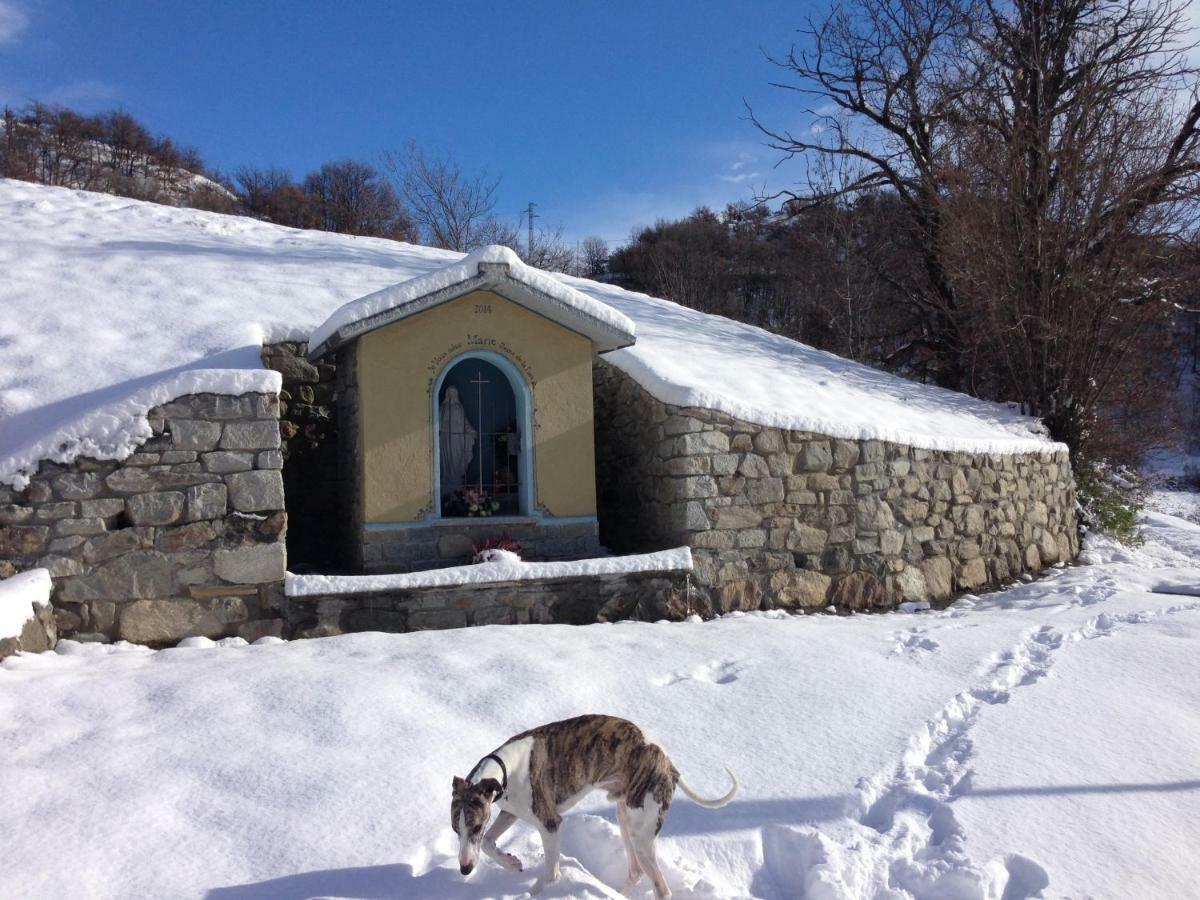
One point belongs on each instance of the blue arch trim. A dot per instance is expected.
(524, 397)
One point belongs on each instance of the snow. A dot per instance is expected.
(18, 595)
(492, 572)
(113, 305)
(1039, 741)
(407, 292)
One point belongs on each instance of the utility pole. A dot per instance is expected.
(529, 243)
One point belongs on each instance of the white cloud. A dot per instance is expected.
(740, 177)
(13, 20)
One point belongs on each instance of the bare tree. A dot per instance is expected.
(593, 257)
(451, 209)
(351, 198)
(1046, 153)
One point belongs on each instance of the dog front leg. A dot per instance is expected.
(550, 845)
(502, 824)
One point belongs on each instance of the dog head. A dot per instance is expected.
(470, 810)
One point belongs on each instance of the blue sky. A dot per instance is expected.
(607, 115)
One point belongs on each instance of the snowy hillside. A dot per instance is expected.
(113, 305)
(1037, 742)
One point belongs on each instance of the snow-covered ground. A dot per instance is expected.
(1040, 741)
(112, 306)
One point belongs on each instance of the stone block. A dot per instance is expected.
(858, 590)
(110, 544)
(13, 514)
(159, 508)
(454, 545)
(158, 622)
(430, 619)
(223, 462)
(77, 485)
(185, 537)
(817, 456)
(257, 435)
(270, 459)
(769, 440)
(256, 491)
(701, 443)
(806, 539)
(972, 574)
(49, 512)
(764, 490)
(139, 574)
(90, 525)
(738, 517)
(102, 509)
(753, 466)
(254, 564)
(798, 588)
(206, 501)
(845, 455)
(911, 583)
(724, 463)
(194, 434)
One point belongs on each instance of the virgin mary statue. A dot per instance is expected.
(456, 438)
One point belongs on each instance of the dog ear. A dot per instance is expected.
(459, 785)
(491, 787)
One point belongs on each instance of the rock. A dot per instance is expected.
(253, 564)
(911, 584)
(295, 370)
(257, 435)
(815, 457)
(938, 574)
(799, 588)
(23, 540)
(110, 544)
(156, 622)
(185, 537)
(206, 501)
(77, 485)
(806, 539)
(972, 574)
(89, 525)
(194, 434)
(159, 508)
(223, 462)
(140, 574)
(256, 491)
(738, 517)
(858, 590)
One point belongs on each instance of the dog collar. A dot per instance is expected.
(503, 772)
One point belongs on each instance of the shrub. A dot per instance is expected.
(1112, 500)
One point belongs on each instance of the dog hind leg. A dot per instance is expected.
(644, 824)
(635, 870)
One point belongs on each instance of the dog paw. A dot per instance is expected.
(545, 880)
(510, 862)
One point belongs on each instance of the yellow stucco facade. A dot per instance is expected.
(398, 367)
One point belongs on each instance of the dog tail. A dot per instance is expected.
(710, 804)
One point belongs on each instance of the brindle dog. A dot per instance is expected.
(539, 774)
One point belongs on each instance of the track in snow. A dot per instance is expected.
(907, 841)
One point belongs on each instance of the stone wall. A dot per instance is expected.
(787, 519)
(449, 543)
(313, 479)
(184, 537)
(573, 601)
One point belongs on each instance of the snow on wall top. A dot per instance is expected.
(608, 328)
(499, 572)
(111, 306)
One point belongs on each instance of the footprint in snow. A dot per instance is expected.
(715, 672)
(913, 642)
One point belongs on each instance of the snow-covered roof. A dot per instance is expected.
(112, 306)
(497, 269)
